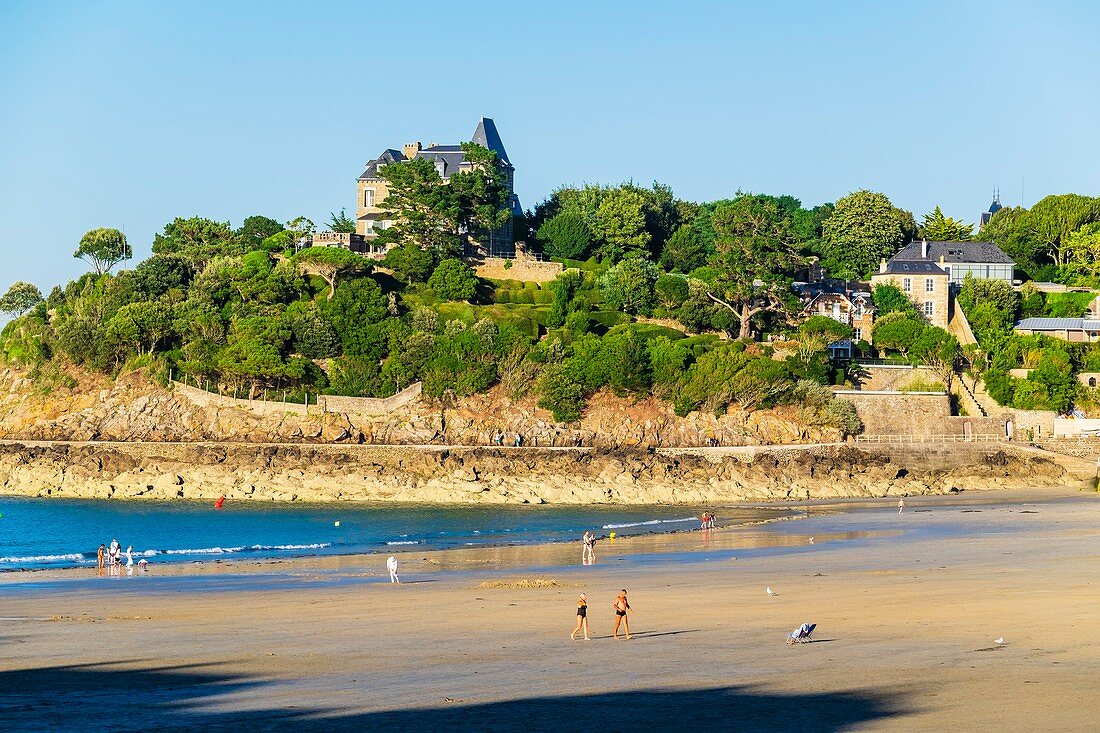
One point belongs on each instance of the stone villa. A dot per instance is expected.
(448, 159)
(846, 303)
(927, 272)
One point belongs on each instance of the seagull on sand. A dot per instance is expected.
(771, 592)
(999, 641)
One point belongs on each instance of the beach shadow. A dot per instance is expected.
(655, 634)
(192, 697)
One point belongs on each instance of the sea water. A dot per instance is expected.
(39, 533)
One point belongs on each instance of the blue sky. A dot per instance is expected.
(129, 114)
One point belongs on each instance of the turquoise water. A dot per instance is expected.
(37, 533)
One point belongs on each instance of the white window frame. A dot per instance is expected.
(368, 197)
(929, 285)
(907, 284)
(858, 334)
(929, 308)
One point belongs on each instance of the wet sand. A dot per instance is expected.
(907, 608)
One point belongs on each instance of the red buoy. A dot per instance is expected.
(219, 502)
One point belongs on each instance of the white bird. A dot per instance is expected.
(999, 641)
(336, 523)
(771, 592)
(811, 539)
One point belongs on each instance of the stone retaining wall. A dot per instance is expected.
(531, 271)
(326, 403)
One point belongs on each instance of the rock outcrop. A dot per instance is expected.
(133, 408)
(508, 475)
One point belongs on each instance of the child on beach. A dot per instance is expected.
(582, 618)
(622, 607)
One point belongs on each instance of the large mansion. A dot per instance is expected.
(448, 159)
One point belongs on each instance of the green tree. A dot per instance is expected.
(628, 286)
(939, 228)
(255, 229)
(409, 263)
(996, 293)
(620, 224)
(161, 273)
(889, 298)
(565, 236)
(480, 191)
(453, 280)
(863, 229)
(20, 298)
(685, 250)
(938, 350)
(897, 332)
(1011, 230)
(331, 263)
(143, 325)
(198, 240)
(342, 223)
(1082, 254)
(1055, 218)
(561, 393)
(671, 291)
(103, 249)
(755, 255)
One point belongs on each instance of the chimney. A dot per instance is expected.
(924, 249)
(411, 149)
(882, 265)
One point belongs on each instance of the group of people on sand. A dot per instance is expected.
(707, 520)
(622, 610)
(111, 558)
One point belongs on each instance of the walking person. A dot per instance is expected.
(114, 556)
(622, 608)
(130, 560)
(391, 565)
(582, 618)
(100, 558)
(588, 550)
(901, 505)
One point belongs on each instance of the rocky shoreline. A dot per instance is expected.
(491, 475)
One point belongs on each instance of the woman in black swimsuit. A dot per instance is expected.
(582, 618)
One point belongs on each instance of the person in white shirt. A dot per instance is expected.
(391, 565)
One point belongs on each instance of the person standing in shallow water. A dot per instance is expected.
(582, 618)
(622, 608)
(901, 505)
(588, 549)
(99, 559)
(391, 565)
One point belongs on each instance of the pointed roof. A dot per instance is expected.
(486, 136)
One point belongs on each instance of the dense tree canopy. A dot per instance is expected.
(863, 229)
(939, 228)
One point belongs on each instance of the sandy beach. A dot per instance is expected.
(908, 608)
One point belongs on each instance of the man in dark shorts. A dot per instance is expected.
(622, 608)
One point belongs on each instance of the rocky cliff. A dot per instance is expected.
(509, 475)
(132, 408)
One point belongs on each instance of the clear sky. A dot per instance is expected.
(129, 114)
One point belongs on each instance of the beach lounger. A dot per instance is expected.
(802, 634)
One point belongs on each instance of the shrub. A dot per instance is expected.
(453, 280)
(561, 393)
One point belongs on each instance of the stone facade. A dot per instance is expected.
(532, 271)
(928, 289)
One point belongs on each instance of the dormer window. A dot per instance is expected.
(440, 168)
